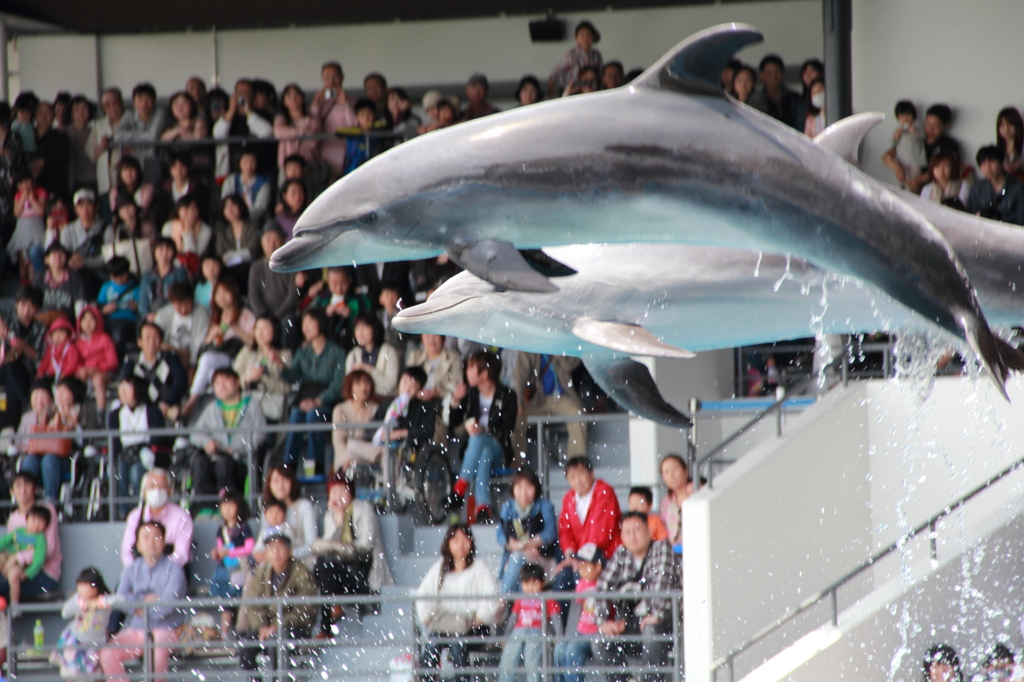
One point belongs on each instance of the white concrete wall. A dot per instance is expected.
(408, 53)
(931, 51)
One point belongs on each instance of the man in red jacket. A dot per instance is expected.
(590, 515)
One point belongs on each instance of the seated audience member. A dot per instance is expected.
(676, 475)
(404, 122)
(62, 287)
(272, 522)
(259, 367)
(185, 324)
(583, 54)
(442, 365)
(1010, 136)
(937, 120)
(358, 406)
(23, 551)
(529, 91)
(185, 121)
(946, 186)
(61, 357)
(775, 99)
(30, 212)
(543, 385)
(42, 415)
(293, 122)
(24, 341)
(295, 168)
(613, 75)
(131, 189)
(283, 486)
(350, 555)
(144, 122)
(375, 87)
(237, 240)
(210, 269)
(407, 418)
(133, 414)
(233, 551)
(527, 530)
(224, 462)
(907, 156)
(641, 499)
(319, 368)
(359, 148)
(282, 576)
(230, 330)
(590, 515)
(182, 185)
(275, 293)
(98, 148)
(254, 189)
(484, 416)
(378, 359)
(999, 664)
(156, 506)
(332, 111)
(447, 113)
(155, 288)
(533, 621)
(119, 300)
(24, 491)
(647, 617)
(165, 378)
(190, 234)
(477, 90)
(78, 648)
(941, 664)
(814, 120)
(998, 196)
(341, 305)
(372, 278)
(242, 118)
(389, 300)
(581, 617)
(54, 150)
(153, 576)
(458, 572)
(743, 83)
(430, 100)
(588, 79)
(293, 203)
(83, 239)
(98, 353)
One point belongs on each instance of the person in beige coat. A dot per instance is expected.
(358, 406)
(544, 386)
(443, 367)
(259, 366)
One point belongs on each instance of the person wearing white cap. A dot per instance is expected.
(84, 239)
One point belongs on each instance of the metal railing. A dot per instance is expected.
(831, 592)
(290, 654)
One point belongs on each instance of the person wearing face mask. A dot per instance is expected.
(156, 506)
(814, 123)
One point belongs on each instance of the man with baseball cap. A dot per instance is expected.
(281, 576)
(83, 239)
(477, 90)
(582, 55)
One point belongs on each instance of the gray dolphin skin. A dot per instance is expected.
(668, 158)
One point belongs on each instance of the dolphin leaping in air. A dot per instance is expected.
(668, 158)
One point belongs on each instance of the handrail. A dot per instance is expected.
(210, 141)
(831, 590)
(777, 405)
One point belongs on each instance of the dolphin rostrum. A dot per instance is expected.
(668, 158)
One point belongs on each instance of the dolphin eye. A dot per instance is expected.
(370, 218)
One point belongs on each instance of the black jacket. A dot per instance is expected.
(501, 419)
(420, 420)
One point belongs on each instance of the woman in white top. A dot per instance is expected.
(946, 184)
(378, 359)
(458, 572)
(282, 485)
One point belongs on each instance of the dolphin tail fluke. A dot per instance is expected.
(999, 358)
(501, 264)
(631, 385)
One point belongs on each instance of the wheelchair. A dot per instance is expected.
(420, 481)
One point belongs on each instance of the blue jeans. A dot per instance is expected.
(51, 469)
(35, 255)
(34, 587)
(525, 643)
(476, 466)
(572, 655)
(129, 479)
(315, 441)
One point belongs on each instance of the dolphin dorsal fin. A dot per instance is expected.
(625, 338)
(695, 65)
(844, 137)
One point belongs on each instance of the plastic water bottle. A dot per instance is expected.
(38, 635)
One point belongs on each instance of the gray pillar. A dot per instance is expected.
(4, 76)
(838, 19)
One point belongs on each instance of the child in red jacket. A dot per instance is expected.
(99, 354)
(61, 358)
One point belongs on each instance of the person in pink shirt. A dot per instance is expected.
(24, 488)
(293, 122)
(332, 111)
(156, 506)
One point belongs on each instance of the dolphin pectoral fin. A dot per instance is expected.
(545, 264)
(695, 65)
(625, 338)
(844, 137)
(501, 264)
(631, 385)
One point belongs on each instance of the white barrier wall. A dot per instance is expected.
(847, 478)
